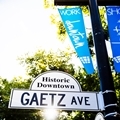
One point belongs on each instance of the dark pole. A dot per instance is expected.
(106, 79)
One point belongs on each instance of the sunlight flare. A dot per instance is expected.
(50, 114)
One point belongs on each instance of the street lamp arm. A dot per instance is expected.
(86, 2)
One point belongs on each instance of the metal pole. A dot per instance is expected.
(105, 75)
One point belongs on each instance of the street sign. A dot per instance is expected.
(99, 116)
(32, 99)
(55, 80)
(56, 89)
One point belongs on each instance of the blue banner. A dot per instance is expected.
(113, 17)
(73, 21)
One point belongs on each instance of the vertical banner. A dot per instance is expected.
(113, 18)
(73, 21)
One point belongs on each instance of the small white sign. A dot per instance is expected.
(99, 116)
(32, 99)
(56, 81)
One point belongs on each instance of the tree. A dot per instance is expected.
(61, 61)
(61, 32)
(42, 61)
(14, 114)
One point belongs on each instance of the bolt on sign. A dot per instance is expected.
(55, 89)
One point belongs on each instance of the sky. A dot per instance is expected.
(25, 27)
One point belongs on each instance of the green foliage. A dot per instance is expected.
(49, 4)
(88, 81)
(116, 77)
(79, 115)
(102, 11)
(60, 61)
(42, 61)
(85, 10)
(61, 32)
(14, 114)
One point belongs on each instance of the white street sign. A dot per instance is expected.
(56, 89)
(99, 116)
(56, 81)
(33, 99)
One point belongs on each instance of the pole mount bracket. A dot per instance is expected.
(110, 105)
(107, 91)
(114, 114)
